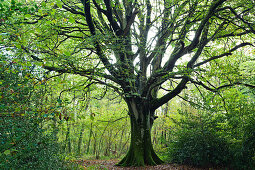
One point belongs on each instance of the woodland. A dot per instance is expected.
(100, 84)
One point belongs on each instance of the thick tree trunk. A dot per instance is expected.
(141, 151)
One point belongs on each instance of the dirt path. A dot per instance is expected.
(110, 164)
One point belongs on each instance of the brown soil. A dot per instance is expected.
(110, 164)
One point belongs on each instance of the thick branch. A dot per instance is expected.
(72, 10)
(100, 53)
(164, 99)
(109, 15)
(130, 22)
(209, 14)
(98, 7)
(87, 73)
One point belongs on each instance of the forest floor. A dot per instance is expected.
(110, 165)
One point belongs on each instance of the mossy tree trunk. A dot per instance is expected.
(141, 151)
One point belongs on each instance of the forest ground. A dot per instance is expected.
(110, 165)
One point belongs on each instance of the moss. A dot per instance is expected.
(141, 152)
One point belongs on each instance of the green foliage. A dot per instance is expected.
(24, 145)
(123, 48)
(16, 86)
(216, 138)
(197, 142)
(24, 142)
(243, 151)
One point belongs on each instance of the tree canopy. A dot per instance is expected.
(141, 44)
(135, 47)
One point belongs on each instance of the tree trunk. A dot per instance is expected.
(80, 139)
(164, 131)
(90, 135)
(68, 139)
(141, 151)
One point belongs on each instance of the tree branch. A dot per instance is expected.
(100, 53)
(239, 17)
(156, 103)
(209, 14)
(220, 87)
(113, 23)
(224, 54)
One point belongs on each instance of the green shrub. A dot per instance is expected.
(243, 151)
(249, 142)
(208, 139)
(197, 142)
(24, 144)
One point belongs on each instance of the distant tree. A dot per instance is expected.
(134, 47)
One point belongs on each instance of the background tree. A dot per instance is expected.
(133, 47)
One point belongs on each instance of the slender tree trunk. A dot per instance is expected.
(108, 144)
(90, 135)
(80, 139)
(141, 151)
(68, 137)
(164, 131)
(122, 149)
(96, 150)
(68, 140)
(120, 142)
(155, 136)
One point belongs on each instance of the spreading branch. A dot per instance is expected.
(224, 54)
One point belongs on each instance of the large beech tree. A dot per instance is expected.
(134, 47)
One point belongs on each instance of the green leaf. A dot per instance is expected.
(59, 4)
(59, 101)
(43, 4)
(18, 46)
(53, 11)
(27, 15)
(92, 115)
(7, 152)
(71, 19)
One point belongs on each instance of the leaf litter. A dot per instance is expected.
(111, 165)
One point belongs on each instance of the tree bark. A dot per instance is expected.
(141, 151)
(164, 131)
(90, 135)
(80, 139)
(68, 139)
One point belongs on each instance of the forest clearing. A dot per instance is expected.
(127, 84)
